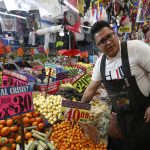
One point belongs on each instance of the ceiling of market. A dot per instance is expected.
(47, 8)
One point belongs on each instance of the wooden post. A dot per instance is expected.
(22, 134)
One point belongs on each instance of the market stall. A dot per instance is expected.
(46, 62)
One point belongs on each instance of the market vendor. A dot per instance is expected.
(124, 69)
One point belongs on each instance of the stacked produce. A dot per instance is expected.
(72, 71)
(50, 107)
(69, 92)
(100, 115)
(69, 136)
(10, 133)
(88, 67)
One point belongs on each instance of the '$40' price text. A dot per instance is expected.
(78, 115)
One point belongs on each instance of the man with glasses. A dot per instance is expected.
(124, 69)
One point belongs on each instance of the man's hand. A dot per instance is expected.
(90, 91)
(147, 115)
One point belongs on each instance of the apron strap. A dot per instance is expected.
(102, 67)
(125, 59)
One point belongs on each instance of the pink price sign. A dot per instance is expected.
(13, 79)
(15, 101)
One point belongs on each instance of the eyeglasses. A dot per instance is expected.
(108, 37)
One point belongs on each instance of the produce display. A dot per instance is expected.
(100, 115)
(10, 133)
(69, 136)
(69, 92)
(50, 107)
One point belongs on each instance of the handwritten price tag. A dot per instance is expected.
(81, 83)
(15, 101)
(75, 111)
(53, 69)
(13, 79)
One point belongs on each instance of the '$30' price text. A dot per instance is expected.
(15, 104)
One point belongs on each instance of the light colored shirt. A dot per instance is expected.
(139, 59)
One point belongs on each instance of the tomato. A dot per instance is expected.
(2, 122)
(38, 119)
(14, 128)
(9, 122)
(5, 131)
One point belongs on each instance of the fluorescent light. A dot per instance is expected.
(71, 6)
(12, 15)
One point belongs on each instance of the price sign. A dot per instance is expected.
(52, 87)
(75, 111)
(13, 79)
(53, 69)
(15, 101)
(126, 28)
(81, 82)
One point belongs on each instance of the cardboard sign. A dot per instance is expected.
(81, 82)
(12, 79)
(126, 28)
(54, 86)
(75, 111)
(15, 101)
(53, 69)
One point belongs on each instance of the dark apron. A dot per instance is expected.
(129, 104)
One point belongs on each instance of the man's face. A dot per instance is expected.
(106, 41)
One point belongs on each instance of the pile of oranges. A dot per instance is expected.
(10, 130)
(70, 137)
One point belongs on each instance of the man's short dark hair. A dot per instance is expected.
(98, 26)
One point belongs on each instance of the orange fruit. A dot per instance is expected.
(9, 122)
(28, 115)
(18, 138)
(41, 126)
(13, 146)
(26, 120)
(36, 114)
(28, 135)
(14, 128)
(35, 123)
(32, 120)
(5, 131)
(2, 122)
(38, 119)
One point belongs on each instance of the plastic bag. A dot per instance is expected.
(114, 130)
(91, 132)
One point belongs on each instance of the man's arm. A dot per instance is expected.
(90, 91)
